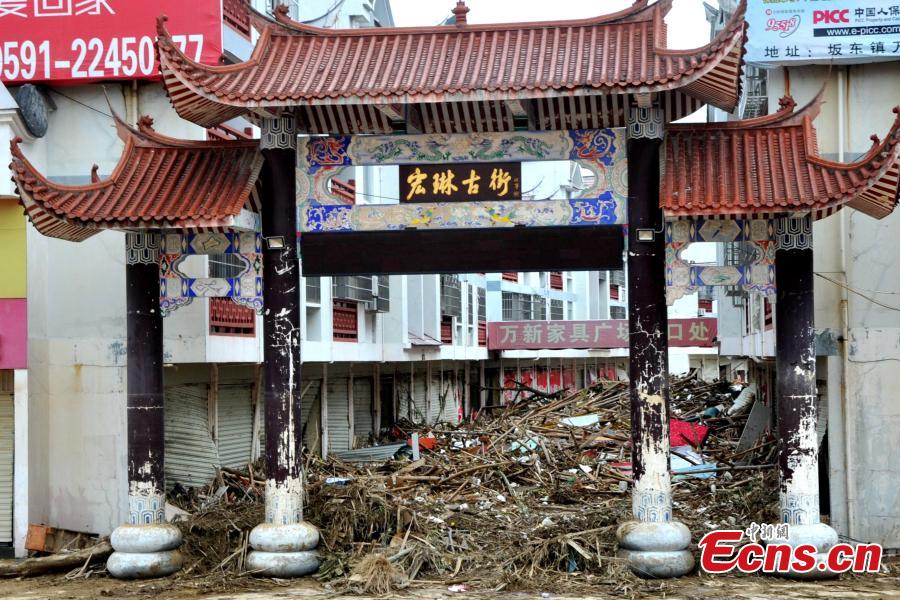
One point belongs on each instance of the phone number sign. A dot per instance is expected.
(80, 41)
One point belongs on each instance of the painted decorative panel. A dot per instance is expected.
(683, 278)
(176, 289)
(600, 152)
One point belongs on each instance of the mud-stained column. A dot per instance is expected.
(795, 355)
(284, 546)
(146, 546)
(654, 544)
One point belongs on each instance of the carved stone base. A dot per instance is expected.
(656, 550)
(283, 551)
(144, 551)
(820, 535)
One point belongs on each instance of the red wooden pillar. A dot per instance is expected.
(146, 546)
(795, 358)
(283, 545)
(654, 544)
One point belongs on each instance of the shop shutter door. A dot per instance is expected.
(362, 407)
(338, 415)
(235, 425)
(191, 457)
(310, 413)
(420, 402)
(6, 467)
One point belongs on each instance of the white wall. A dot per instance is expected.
(852, 247)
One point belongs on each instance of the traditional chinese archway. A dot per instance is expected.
(564, 84)
(482, 79)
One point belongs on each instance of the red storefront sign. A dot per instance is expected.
(80, 41)
(610, 333)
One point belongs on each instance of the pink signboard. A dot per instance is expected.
(610, 333)
(13, 334)
(79, 41)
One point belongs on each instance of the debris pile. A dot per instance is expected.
(532, 495)
(529, 496)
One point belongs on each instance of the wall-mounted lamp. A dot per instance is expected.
(275, 243)
(646, 235)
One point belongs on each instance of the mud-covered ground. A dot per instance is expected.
(742, 587)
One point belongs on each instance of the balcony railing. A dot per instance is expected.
(228, 318)
(345, 190)
(446, 330)
(236, 13)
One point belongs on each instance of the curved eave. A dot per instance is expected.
(80, 217)
(710, 74)
(869, 184)
(284, 23)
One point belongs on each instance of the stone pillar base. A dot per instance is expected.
(820, 535)
(656, 550)
(283, 551)
(144, 551)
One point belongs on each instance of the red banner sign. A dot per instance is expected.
(79, 41)
(610, 333)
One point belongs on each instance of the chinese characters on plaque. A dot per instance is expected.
(610, 333)
(460, 182)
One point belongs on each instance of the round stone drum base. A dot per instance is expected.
(819, 535)
(283, 565)
(144, 551)
(656, 550)
(146, 565)
(659, 565)
(284, 551)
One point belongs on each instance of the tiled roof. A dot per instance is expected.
(160, 182)
(772, 165)
(355, 71)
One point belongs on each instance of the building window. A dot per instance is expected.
(451, 296)
(767, 314)
(617, 312)
(613, 291)
(372, 290)
(523, 307)
(557, 310)
(345, 321)
(556, 280)
(314, 290)
(482, 317)
(511, 276)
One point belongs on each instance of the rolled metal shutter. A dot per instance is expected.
(235, 418)
(420, 400)
(362, 407)
(338, 415)
(191, 456)
(310, 412)
(7, 441)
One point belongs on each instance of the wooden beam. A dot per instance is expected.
(394, 112)
(525, 112)
(418, 251)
